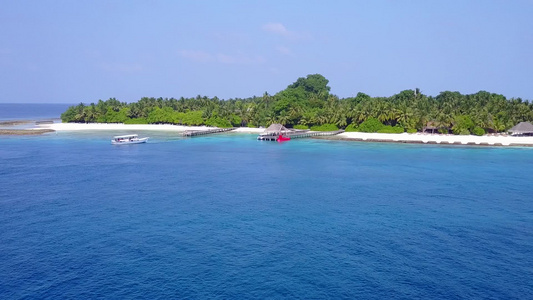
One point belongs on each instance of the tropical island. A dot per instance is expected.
(308, 104)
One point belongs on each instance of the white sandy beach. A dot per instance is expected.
(149, 127)
(489, 140)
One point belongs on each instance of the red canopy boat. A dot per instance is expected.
(282, 138)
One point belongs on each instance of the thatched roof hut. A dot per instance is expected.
(522, 128)
(277, 129)
(433, 127)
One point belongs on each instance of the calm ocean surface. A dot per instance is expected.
(31, 111)
(230, 217)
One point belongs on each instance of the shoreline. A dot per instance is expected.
(144, 127)
(438, 139)
(24, 131)
(15, 122)
(414, 138)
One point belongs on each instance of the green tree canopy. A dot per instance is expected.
(307, 102)
(314, 84)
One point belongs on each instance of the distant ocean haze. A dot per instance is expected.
(31, 111)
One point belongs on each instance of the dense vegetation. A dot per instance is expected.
(308, 103)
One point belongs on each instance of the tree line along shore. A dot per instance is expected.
(308, 104)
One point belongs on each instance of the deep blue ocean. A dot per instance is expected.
(31, 111)
(230, 217)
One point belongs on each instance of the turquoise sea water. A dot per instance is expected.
(230, 217)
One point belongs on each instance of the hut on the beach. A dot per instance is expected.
(522, 128)
(276, 129)
(433, 127)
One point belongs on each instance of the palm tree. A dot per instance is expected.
(271, 119)
(382, 111)
(405, 116)
(266, 100)
(283, 118)
(362, 111)
(340, 120)
(295, 113)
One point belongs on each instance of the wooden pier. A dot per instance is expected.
(191, 133)
(298, 134)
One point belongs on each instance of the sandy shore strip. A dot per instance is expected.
(24, 131)
(148, 127)
(443, 139)
(421, 138)
(15, 122)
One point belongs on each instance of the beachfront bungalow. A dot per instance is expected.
(276, 129)
(433, 127)
(277, 132)
(522, 129)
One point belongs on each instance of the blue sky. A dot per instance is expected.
(82, 51)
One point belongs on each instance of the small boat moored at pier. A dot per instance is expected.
(128, 139)
(278, 132)
(282, 138)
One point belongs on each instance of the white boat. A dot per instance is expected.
(128, 139)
